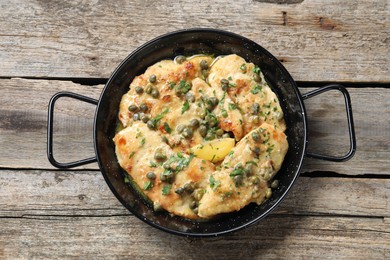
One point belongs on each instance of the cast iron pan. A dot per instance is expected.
(189, 42)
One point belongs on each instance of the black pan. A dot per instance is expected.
(189, 42)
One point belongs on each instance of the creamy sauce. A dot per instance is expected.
(189, 101)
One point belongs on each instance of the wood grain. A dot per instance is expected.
(35, 193)
(126, 237)
(64, 214)
(24, 114)
(316, 40)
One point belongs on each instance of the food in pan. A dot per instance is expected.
(201, 136)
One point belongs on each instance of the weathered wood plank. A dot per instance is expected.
(84, 193)
(24, 113)
(126, 237)
(316, 40)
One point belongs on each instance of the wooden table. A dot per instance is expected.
(335, 210)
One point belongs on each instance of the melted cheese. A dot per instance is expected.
(183, 184)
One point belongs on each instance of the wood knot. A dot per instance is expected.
(285, 18)
(326, 24)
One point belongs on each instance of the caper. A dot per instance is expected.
(238, 179)
(179, 190)
(149, 88)
(212, 120)
(151, 124)
(256, 151)
(159, 155)
(145, 118)
(136, 117)
(256, 137)
(255, 108)
(155, 93)
(224, 113)
(256, 120)
(204, 65)
(180, 59)
(198, 194)
(163, 177)
(152, 78)
(133, 108)
(210, 135)
(180, 128)
(190, 97)
(188, 133)
(268, 193)
(164, 139)
(188, 187)
(274, 184)
(195, 210)
(139, 90)
(201, 113)
(205, 73)
(151, 175)
(256, 77)
(219, 132)
(193, 204)
(143, 107)
(224, 84)
(194, 123)
(211, 103)
(249, 168)
(202, 130)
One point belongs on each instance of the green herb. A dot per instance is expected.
(126, 179)
(275, 109)
(230, 153)
(148, 185)
(256, 89)
(213, 183)
(161, 115)
(270, 149)
(222, 101)
(232, 106)
(167, 128)
(171, 85)
(256, 70)
(224, 113)
(166, 189)
(252, 162)
(152, 164)
(185, 107)
(184, 86)
(231, 84)
(131, 154)
(138, 133)
(143, 141)
(268, 105)
(230, 78)
(237, 171)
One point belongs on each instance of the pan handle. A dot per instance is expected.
(50, 155)
(351, 129)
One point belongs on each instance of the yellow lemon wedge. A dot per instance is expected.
(214, 150)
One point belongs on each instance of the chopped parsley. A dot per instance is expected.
(143, 141)
(148, 185)
(214, 183)
(232, 106)
(230, 78)
(171, 85)
(166, 189)
(160, 116)
(126, 179)
(238, 170)
(131, 154)
(167, 128)
(224, 113)
(256, 89)
(185, 107)
(256, 70)
(152, 164)
(184, 86)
